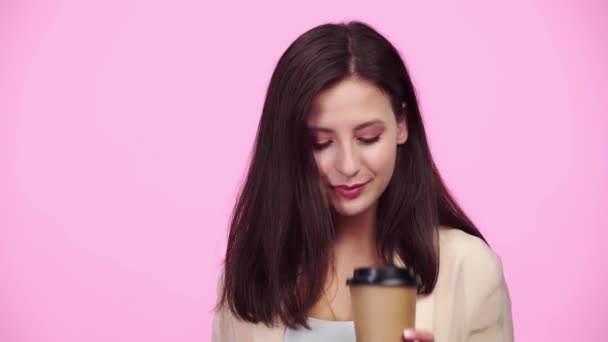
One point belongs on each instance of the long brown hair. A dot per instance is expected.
(281, 230)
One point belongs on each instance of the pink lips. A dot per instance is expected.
(349, 192)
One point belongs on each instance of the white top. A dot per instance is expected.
(322, 331)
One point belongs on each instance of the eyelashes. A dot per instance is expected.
(370, 141)
(364, 141)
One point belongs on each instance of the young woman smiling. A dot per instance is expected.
(342, 177)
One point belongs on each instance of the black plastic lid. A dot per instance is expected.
(384, 276)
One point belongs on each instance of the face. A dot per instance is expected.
(355, 136)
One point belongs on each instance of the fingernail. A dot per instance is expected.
(408, 333)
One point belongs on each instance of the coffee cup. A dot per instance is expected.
(384, 302)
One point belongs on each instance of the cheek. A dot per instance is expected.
(381, 160)
(324, 162)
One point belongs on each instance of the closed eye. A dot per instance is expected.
(321, 146)
(369, 141)
(324, 145)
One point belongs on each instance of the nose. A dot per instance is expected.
(347, 161)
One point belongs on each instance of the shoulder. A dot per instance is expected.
(468, 266)
(460, 248)
(471, 276)
(226, 327)
(468, 262)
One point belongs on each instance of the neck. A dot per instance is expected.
(356, 238)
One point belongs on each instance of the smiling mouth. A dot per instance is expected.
(349, 191)
(349, 187)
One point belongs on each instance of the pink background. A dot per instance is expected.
(125, 128)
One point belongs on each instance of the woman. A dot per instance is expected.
(342, 177)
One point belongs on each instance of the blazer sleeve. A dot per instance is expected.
(491, 318)
(222, 326)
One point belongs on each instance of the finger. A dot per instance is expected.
(420, 336)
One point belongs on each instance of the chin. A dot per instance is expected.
(351, 209)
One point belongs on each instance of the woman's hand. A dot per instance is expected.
(410, 335)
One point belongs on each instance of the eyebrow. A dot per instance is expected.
(359, 127)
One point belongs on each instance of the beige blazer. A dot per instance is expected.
(470, 302)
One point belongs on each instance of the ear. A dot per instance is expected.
(402, 132)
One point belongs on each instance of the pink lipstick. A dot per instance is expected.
(349, 191)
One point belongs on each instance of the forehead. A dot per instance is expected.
(349, 102)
